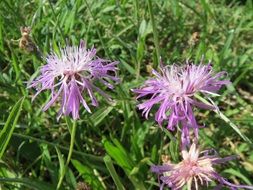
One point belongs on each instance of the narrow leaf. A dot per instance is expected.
(227, 120)
(115, 177)
(99, 115)
(9, 126)
(61, 161)
(31, 183)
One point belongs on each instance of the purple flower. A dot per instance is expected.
(70, 75)
(174, 90)
(196, 168)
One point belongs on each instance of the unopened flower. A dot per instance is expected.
(196, 169)
(174, 89)
(71, 74)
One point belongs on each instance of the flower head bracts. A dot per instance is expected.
(196, 168)
(174, 89)
(71, 74)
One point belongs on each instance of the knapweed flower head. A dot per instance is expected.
(71, 74)
(174, 90)
(195, 171)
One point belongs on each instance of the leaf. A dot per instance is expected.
(51, 167)
(128, 67)
(5, 171)
(31, 183)
(69, 21)
(138, 139)
(9, 126)
(145, 29)
(70, 178)
(123, 159)
(61, 162)
(108, 9)
(206, 7)
(154, 153)
(238, 174)
(140, 49)
(115, 177)
(119, 154)
(227, 120)
(142, 27)
(225, 50)
(87, 174)
(174, 150)
(99, 115)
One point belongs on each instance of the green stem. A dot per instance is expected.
(73, 134)
(161, 147)
(115, 177)
(150, 8)
(72, 141)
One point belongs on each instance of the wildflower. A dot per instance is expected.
(174, 89)
(195, 168)
(71, 74)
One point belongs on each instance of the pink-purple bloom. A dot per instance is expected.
(195, 170)
(71, 74)
(174, 89)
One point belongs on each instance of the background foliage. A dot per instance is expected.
(121, 30)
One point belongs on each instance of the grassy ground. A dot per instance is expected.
(121, 30)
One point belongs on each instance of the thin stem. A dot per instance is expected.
(72, 141)
(161, 146)
(73, 134)
(156, 40)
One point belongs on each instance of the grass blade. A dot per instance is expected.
(31, 183)
(89, 175)
(231, 124)
(115, 177)
(150, 8)
(61, 162)
(100, 115)
(9, 126)
(227, 120)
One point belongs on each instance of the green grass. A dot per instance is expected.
(114, 146)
